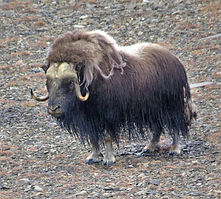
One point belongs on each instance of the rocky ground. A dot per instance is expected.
(40, 160)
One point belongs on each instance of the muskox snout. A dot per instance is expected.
(55, 110)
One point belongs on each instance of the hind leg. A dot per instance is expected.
(176, 147)
(95, 156)
(153, 145)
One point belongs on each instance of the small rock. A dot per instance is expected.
(23, 181)
(155, 21)
(53, 150)
(146, 1)
(29, 187)
(78, 26)
(142, 192)
(81, 193)
(37, 188)
(107, 194)
(154, 182)
(3, 186)
(84, 17)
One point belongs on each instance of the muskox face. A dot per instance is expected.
(63, 88)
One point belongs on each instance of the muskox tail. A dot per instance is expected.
(189, 107)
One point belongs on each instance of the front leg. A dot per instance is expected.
(95, 156)
(109, 157)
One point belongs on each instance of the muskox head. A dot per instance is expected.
(62, 85)
(74, 61)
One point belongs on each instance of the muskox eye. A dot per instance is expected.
(71, 85)
(79, 67)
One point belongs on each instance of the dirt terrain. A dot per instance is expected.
(38, 159)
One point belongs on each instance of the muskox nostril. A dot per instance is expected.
(53, 107)
(54, 110)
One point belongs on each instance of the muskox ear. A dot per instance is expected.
(45, 67)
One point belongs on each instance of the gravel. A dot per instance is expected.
(38, 159)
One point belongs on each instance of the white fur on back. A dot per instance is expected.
(136, 48)
(133, 50)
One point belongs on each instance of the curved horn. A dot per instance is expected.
(78, 92)
(77, 88)
(40, 99)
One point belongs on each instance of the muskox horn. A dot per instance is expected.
(40, 99)
(78, 92)
(77, 88)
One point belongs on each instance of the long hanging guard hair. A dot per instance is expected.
(133, 90)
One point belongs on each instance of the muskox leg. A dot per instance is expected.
(153, 145)
(109, 158)
(95, 156)
(175, 148)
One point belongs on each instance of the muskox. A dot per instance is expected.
(101, 92)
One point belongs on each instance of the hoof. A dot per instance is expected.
(94, 158)
(108, 160)
(175, 150)
(148, 150)
(144, 152)
(108, 163)
(91, 161)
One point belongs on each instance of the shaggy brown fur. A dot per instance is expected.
(93, 49)
(137, 87)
